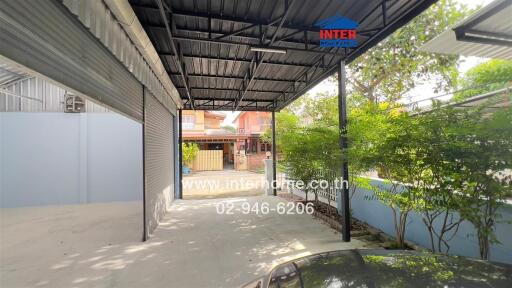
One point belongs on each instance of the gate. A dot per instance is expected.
(208, 160)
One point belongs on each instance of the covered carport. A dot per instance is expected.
(262, 55)
(149, 60)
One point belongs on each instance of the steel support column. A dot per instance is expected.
(274, 154)
(144, 228)
(180, 154)
(342, 111)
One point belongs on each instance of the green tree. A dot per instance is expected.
(189, 151)
(439, 199)
(287, 123)
(395, 66)
(396, 159)
(486, 77)
(484, 158)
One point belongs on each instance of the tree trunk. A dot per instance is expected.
(427, 220)
(483, 242)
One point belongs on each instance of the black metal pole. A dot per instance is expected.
(144, 228)
(180, 154)
(274, 154)
(342, 111)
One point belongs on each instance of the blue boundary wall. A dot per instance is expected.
(367, 208)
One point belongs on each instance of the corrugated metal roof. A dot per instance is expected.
(490, 101)
(32, 94)
(97, 17)
(488, 23)
(213, 40)
(9, 74)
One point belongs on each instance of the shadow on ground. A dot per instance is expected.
(193, 247)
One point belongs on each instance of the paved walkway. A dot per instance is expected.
(193, 247)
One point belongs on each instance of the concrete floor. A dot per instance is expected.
(76, 246)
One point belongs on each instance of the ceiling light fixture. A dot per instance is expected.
(267, 49)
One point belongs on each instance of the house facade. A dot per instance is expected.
(252, 124)
(204, 128)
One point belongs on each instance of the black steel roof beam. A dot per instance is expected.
(237, 78)
(289, 35)
(243, 36)
(242, 108)
(483, 40)
(304, 74)
(412, 12)
(248, 78)
(227, 89)
(320, 62)
(230, 99)
(489, 34)
(249, 104)
(287, 8)
(259, 57)
(280, 63)
(229, 18)
(236, 32)
(174, 47)
(207, 102)
(375, 8)
(225, 105)
(392, 26)
(384, 14)
(225, 42)
(257, 106)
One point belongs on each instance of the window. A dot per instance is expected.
(215, 146)
(266, 147)
(188, 122)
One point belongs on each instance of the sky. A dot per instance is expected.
(416, 94)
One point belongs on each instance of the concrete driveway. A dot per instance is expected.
(193, 247)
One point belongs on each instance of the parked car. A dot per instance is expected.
(385, 268)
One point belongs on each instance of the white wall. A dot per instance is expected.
(60, 158)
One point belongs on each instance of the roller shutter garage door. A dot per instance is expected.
(159, 163)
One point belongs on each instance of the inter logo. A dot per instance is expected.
(338, 31)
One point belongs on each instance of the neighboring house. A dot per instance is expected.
(241, 150)
(251, 125)
(204, 128)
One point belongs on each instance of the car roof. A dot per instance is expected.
(390, 268)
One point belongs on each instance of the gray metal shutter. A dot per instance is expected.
(159, 165)
(47, 38)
